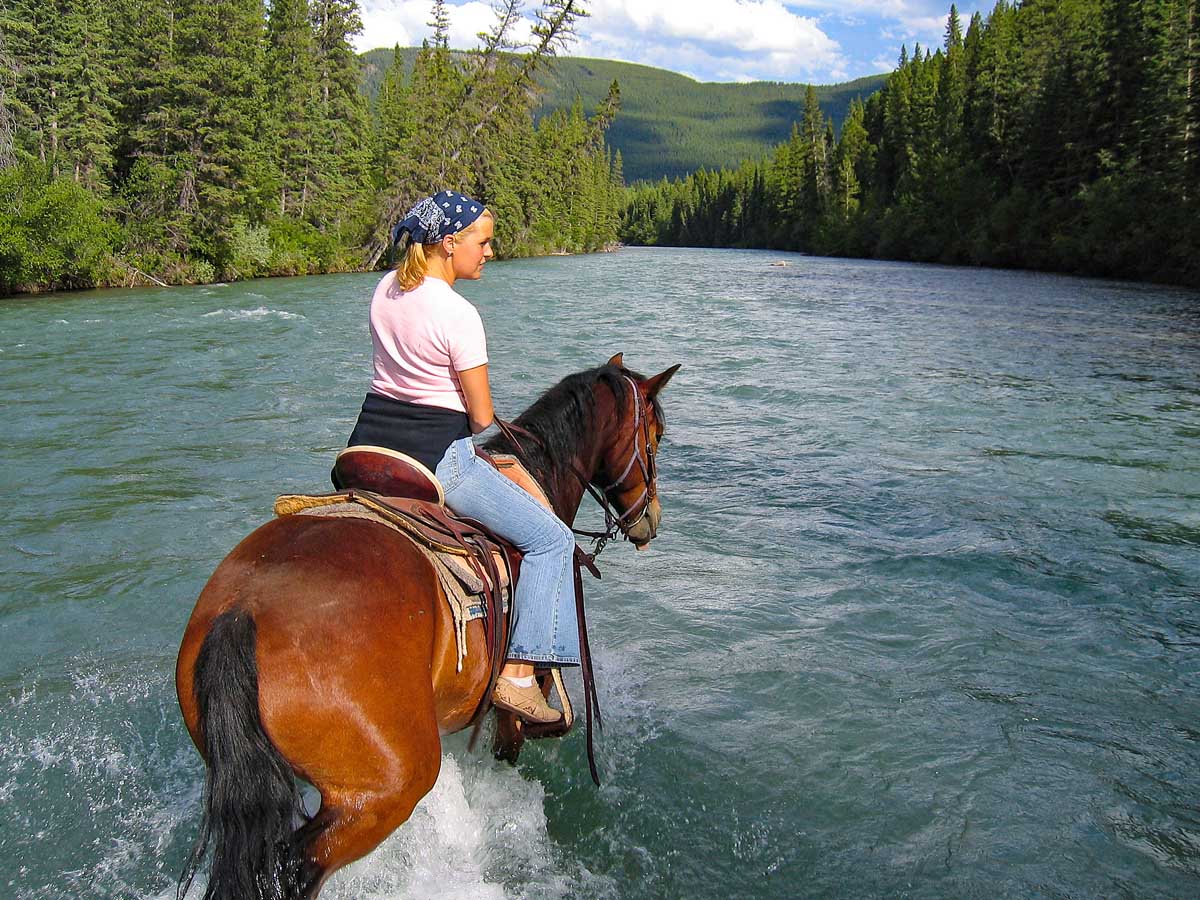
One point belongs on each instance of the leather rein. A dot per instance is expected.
(642, 453)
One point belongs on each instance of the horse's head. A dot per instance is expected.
(628, 473)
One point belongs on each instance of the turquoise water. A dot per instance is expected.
(923, 619)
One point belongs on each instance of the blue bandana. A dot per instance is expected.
(446, 212)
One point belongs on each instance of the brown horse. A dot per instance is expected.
(323, 648)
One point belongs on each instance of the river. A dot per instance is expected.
(923, 619)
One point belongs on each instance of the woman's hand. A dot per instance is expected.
(478, 396)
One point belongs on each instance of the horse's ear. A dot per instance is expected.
(617, 360)
(658, 382)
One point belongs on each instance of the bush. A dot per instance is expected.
(199, 271)
(249, 250)
(297, 248)
(53, 232)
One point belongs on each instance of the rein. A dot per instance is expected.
(614, 524)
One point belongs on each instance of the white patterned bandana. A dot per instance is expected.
(446, 212)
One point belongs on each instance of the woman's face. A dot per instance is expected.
(473, 247)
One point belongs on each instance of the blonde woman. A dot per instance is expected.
(430, 393)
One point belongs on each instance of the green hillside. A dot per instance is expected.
(669, 124)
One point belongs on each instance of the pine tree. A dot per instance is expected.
(993, 96)
(952, 86)
(343, 151)
(212, 117)
(12, 110)
(814, 162)
(291, 126)
(850, 151)
(35, 45)
(86, 116)
(1190, 151)
(394, 120)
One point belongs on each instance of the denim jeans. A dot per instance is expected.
(545, 629)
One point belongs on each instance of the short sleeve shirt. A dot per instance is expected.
(421, 339)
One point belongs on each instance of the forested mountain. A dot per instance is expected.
(1051, 134)
(191, 140)
(671, 125)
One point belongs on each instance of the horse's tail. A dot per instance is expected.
(250, 795)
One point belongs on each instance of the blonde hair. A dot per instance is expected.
(414, 263)
(411, 269)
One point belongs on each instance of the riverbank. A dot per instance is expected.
(199, 273)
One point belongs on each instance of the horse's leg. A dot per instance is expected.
(509, 739)
(334, 657)
(351, 706)
(357, 815)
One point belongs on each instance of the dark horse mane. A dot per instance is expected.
(561, 416)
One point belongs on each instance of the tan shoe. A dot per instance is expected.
(526, 702)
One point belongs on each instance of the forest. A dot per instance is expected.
(188, 141)
(1059, 135)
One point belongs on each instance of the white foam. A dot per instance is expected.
(478, 835)
(481, 833)
(256, 314)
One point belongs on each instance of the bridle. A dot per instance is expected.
(641, 453)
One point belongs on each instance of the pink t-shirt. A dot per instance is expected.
(422, 338)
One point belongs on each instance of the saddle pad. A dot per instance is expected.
(290, 504)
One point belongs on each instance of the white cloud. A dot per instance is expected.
(404, 22)
(735, 40)
(721, 40)
(924, 22)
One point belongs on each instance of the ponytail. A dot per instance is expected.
(411, 269)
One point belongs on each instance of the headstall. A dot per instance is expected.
(641, 452)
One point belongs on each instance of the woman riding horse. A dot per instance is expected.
(323, 648)
(430, 392)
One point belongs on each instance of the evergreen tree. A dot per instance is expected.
(12, 110)
(952, 86)
(206, 129)
(343, 151)
(850, 152)
(86, 117)
(36, 48)
(394, 121)
(293, 114)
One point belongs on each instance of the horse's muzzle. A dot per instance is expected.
(644, 531)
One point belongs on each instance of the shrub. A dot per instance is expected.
(53, 232)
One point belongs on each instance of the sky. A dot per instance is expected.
(807, 41)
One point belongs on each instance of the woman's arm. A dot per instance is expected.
(478, 395)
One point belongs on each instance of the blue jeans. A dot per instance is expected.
(544, 626)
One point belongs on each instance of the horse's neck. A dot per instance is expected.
(566, 491)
